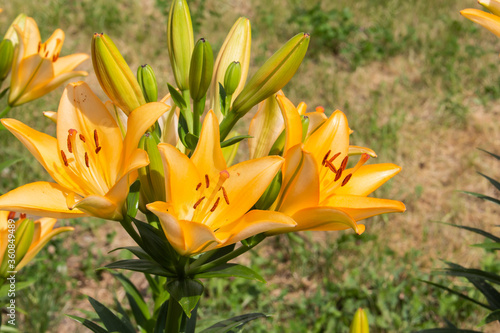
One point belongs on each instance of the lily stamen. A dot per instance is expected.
(87, 160)
(215, 204)
(346, 179)
(198, 202)
(207, 181)
(11, 216)
(65, 160)
(82, 138)
(198, 186)
(224, 193)
(70, 148)
(326, 157)
(96, 139)
(97, 150)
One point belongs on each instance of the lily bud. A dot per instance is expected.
(152, 176)
(271, 193)
(236, 47)
(114, 74)
(201, 70)
(492, 5)
(11, 34)
(147, 81)
(24, 236)
(6, 56)
(180, 42)
(273, 75)
(359, 323)
(305, 126)
(232, 78)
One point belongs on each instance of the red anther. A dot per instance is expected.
(326, 157)
(215, 205)
(11, 215)
(198, 186)
(207, 181)
(65, 160)
(330, 166)
(96, 138)
(82, 137)
(87, 160)
(224, 193)
(46, 54)
(344, 162)
(346, 179)
(22, 216)
(70, 148)
(39, 46)
(333, 157)
(197, 203)
(97, 150)
(339, 174)
(55, 57)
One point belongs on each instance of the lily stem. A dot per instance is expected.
(198, 108)
(227, 124)
(188, 114)
(174, 316)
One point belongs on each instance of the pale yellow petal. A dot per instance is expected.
(355, 150)
(100, 206)
(368, 178)
(293, 123)
(360, 208)
(68, 63)
(316, 119)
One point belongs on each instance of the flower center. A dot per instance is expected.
(50, 51)
(207, 204)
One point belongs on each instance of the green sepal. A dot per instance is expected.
(230, 270)
(109, 319)
(186, 292)
(176, 97)
(233, 324)
(24, 237)
(234, 140)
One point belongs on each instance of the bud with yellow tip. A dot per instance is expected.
(360, 322)
(11, 35)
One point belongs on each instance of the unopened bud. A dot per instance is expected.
(147, 81)
(151, 176)
(232, 77)
(201, 70)
(114, 74)
(6, 56)
(180, 42)
(359, 323)
(24, 236)
(11, 34)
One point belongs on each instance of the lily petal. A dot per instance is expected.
(368, 178)
(360, 207)
(41, 199)
(293, 124)
(103, 207)
(487, 20)
(316, 119)
(356, 150)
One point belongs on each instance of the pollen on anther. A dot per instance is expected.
(326, 157)
(39, 46)
(224, 193)
(87, 160)
(22, 216)
(197, 203)
(65, 160)
(96, 138)
(11, 215)
(346, 179)
(97, 150)
(333, 157)
(207, 181)
(339, 174)
(70, 148)
(215, 205)
(198, 186)
(82, 137)
(344, 162)
(330, 166)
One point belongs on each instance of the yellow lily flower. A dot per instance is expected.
(43, 232)
(37, 68)
(207, 203)
(318, 191)
(487, 20)
(89, 160)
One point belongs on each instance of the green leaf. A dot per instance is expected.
(187, 292)
(459, 294)
(139, 265)
(222, 93)
(8, 163)
(133, 199)
(2, 94)
(191, 141)
(492, 316)
(176, 97)
(135, 250)
(231, 270)
(135, 299)
(488, 246)
(491, 180)
(109, 319)
(495, 156)
(484, 197)
(237, 322)
(89, 324)
(475, 230)
(234, 140)
(161, 320)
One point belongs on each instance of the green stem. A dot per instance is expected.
(174, 316)
(227, 103)
(227, 124)
(198, 108)
(3, 114)
(188, 114)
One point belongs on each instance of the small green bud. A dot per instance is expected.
(180, 42)
(147, 81)
(232, 77)
(305, 126)
(24, 237)
(152, 176)
(271, 193)
(201, 69)
(11, 34)
(273, 75)
(114, 74)
(6, 56)
(359, 323)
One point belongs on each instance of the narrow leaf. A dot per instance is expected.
(493, 316)
(135, 250)
(161, 320)
(176, 97)
(139, 265)
(191, 141)
(471, 273)
(137, 303)
(488, 246)
(459, 294)
(495, 156)
(8, 163)
(231, 270)
(187, 292)
(484, 197)
(89, 324)
(133, 199)
(109, 319)
(233, 323)
(476, 230)
(491, 180)
(234, 140)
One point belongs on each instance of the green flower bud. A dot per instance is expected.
(359, 323)
(11, 34)
(24, 237)
(201, 70)
(180, 42)
(305, 126)
(114, 74)
(273, 75)
(232, 77)
(271, 193)
(147, 81)
(152, 176)
(6, 56)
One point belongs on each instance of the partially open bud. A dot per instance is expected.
(23, 236)
(236, 47)
(11, 34)
(232, 78)
(201, 70)
(6, 56)
(273, 75)
(359, 323)
(114, 74)
(492, 5)
(180, 42)
(151, 176)
(147, 81)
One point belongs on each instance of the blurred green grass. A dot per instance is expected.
(388, 64)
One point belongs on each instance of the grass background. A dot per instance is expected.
(419, 84)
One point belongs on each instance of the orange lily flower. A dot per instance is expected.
(89, 160)
(318, 191)
(37, 68)
(207, 204)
